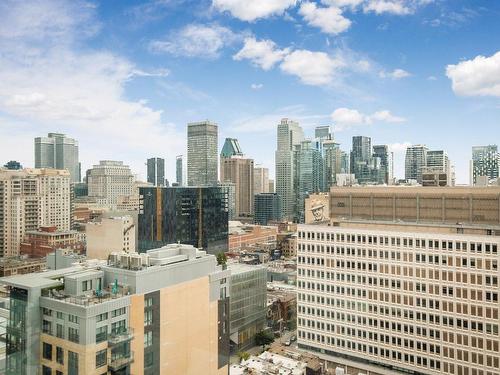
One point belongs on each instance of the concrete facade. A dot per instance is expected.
(29, 199)
(163, 313)
(109, 235)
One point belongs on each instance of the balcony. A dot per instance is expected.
(115, 338)
(118, 363)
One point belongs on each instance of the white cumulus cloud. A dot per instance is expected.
(328, 19)
(256, 86)
(262, 53)
(313, 68)
(251, 10)
(477, 77)
(57, 86)
(196, 40)
(344, 118)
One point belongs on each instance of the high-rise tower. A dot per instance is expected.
(59, 152)
(202, 153)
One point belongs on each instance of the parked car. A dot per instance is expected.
(287, 343)
(293, 338)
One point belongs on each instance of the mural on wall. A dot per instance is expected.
(317, 208)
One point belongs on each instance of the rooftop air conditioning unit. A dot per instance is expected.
(145, 260)
(125, 261)
(114, 258)
(339, 371)
(135, 262)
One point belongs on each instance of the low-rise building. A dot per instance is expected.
(20, 265)
(64, 258)
(281, 307)
(247, 309)
(39, 243)
(248, 236)
(269, 363)
(163, 312)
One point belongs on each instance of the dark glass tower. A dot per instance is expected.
(195, 216)
(156, 171)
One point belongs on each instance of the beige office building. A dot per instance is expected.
(261, 179)
(385, 298)
(29, 199)
(114, 234)
(109, 180)
(477, 205)
(239, 171)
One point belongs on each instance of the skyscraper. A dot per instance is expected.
(261, 179)
(485, 162)
(309, 175)
(179, 165)
(366, 167)
(202, 153)
(415, 159)
(289, 134)
(332, 162)
(29, 199)
(109, 180)
(386, 163)
(231, 148)
(59, 152)
(156, 171)
(437, 171)
(191, 215)
(235, 168)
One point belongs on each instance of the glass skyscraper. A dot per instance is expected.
(415, 160)
(59, 152)
(179, 175)
(289, 135)
(195, 216)
(202, 153)
(485, 162)
(156, 171)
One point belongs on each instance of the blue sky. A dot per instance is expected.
(125, 77)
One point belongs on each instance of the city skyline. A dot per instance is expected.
(138, 72)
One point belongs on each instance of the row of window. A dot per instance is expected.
(423, 243)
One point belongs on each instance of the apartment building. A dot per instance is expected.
(29, 199)
(165, 312)
(109, 180)
(387, 298)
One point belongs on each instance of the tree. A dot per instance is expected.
(264, 338)
(221, 259)
(243, 356)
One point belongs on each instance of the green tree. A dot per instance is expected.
(243, 356)
(264, 338)
(221, 259)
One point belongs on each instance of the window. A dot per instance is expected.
(148, 359)
(59, 355)
(100, 358)
(148, 318)
(102, 317)
(101, 334)
(60, 315)
(47, 351)
(86, 285)
(47, 327)
(148, 339)
(118, 327)
(73, 334)
(46, 370)
(72, 363)
(73, 318)
(60, 331)
(118, 312)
